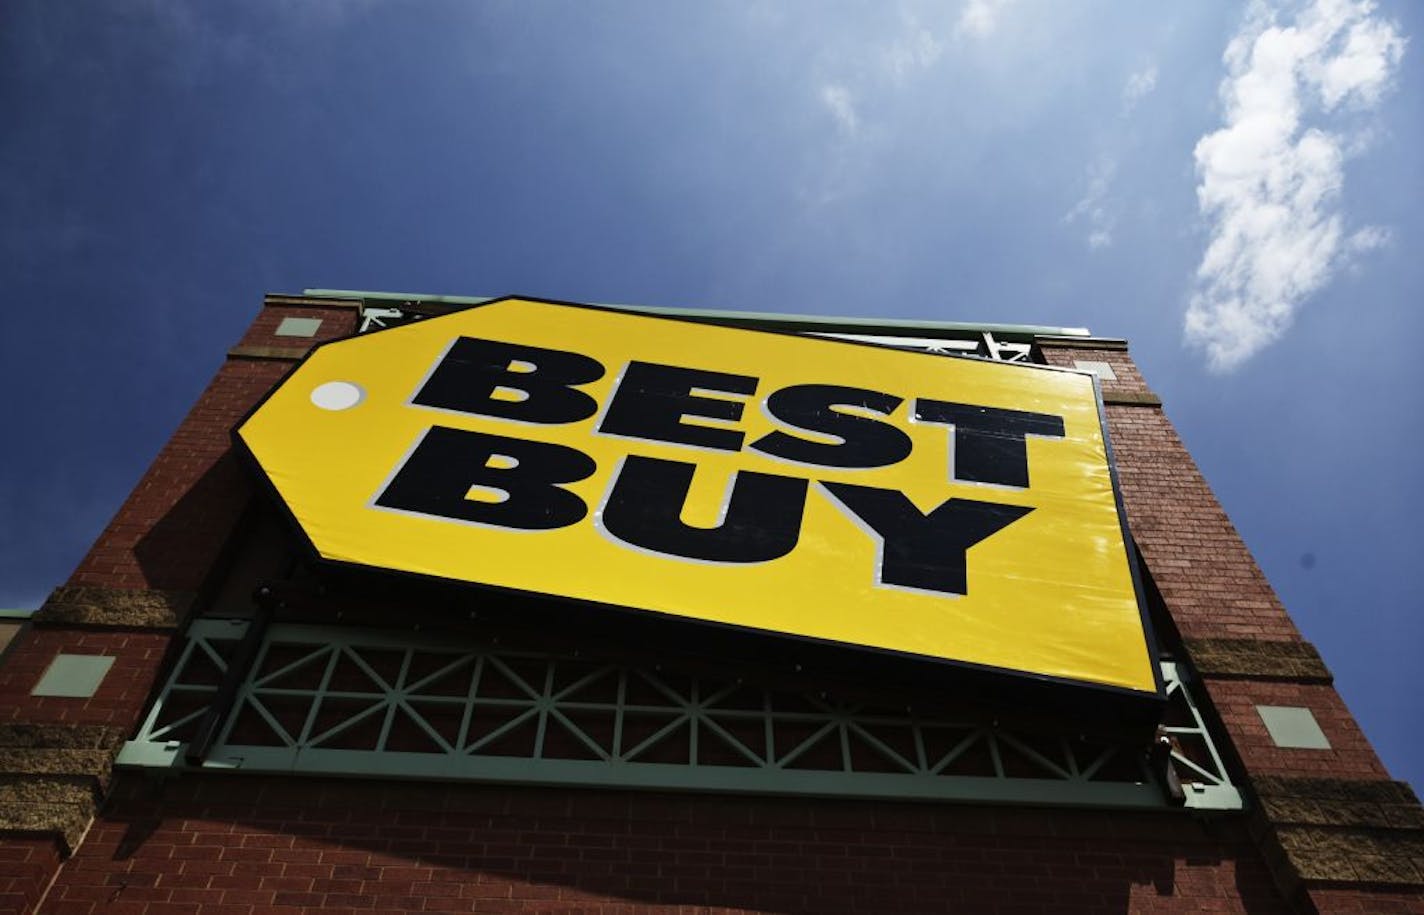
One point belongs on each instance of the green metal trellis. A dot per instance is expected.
(347, 701)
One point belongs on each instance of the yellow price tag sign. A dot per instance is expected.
(954, 509)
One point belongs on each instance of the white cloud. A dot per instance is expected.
(1094, 209)
(1369, 238)
(1139, 86)
(1269, 184)
(979, 18)
(894, 64)
(1362, 69)
(837, 100)
(917, 49)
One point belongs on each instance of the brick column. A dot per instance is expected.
(1337, 831)
(113, 620)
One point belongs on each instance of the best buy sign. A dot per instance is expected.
(955, 509)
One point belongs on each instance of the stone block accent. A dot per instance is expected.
(1258, 659)
(275, 300)
(52, 777)
(1341, 831)
(61, 736)
(1132, 398)
(47, 761)
(287, 353)
(97, 606)
(1098, 343)
(56, 806)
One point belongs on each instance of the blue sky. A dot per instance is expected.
(1234, 188)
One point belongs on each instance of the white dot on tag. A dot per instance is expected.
(337, 395)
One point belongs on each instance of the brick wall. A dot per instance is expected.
(337, 321)
(223, 844)
(1204, 571)
(26, 866)
(168, 534)
(143, 573)
(1349, 754)
(1317, 818)
(121, 696)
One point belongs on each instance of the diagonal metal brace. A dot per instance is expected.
(267, 599)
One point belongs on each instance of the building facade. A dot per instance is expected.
(205, 718)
